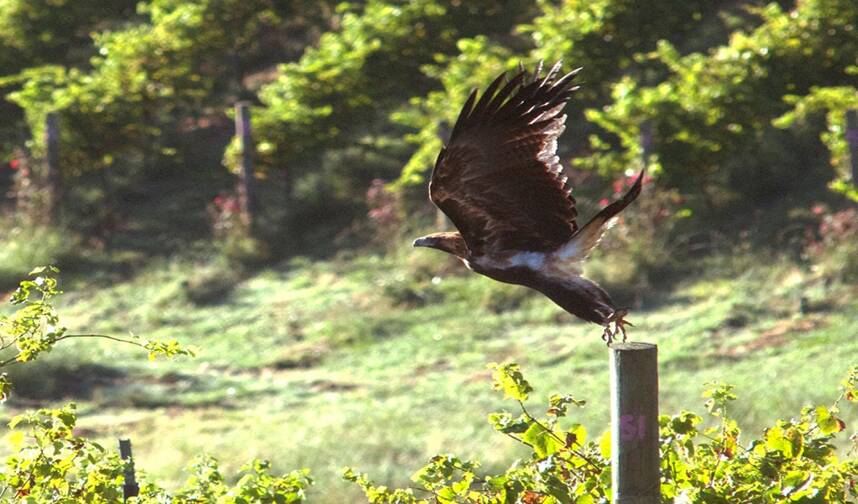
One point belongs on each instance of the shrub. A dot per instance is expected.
(232, 233)
(835, 248)
(49, 463)
(795, 460)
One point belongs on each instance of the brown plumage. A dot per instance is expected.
(500, 182)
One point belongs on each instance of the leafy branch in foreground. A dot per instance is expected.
(794, 461)
(50, 464)
(34, 328)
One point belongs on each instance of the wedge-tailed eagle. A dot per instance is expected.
(500, 182)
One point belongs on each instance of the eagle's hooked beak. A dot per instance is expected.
(422, 242)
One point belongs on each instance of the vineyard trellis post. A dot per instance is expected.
(852, 140)
(247, 181)
(52, 165)
(646, 142)
(442, 222)
(635, 475)
(130, 488)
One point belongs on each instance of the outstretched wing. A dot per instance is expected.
(586, 239)
(499, 178)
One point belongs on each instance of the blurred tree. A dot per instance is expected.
(186, 59)
(376, 90)
(39, 32)
(713, 114)
(605, 37)
(835, 102)
(34, 32)
(344, 88)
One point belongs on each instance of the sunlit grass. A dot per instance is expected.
(379, 363)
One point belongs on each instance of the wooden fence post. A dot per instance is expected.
(442, 222)
(52, 165)
(130, 488)
(852, 139)
(634, 424)
(247, 182)
(646, 141)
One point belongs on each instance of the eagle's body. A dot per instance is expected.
(500, 182)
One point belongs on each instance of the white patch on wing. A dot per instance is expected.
(580, 246)
(570, 249)
(567, 268)
(532, 260)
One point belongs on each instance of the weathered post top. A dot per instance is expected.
(634, 423)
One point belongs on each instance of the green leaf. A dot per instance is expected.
(543, 442)
(828, 423)
(719, 394)
(508, 378)
(42, 269)
(558, 404)
(793, 481)
(559, 490)
(685, 422)
(503, 422)
(776, 441)
(605, 444)
(17, 420)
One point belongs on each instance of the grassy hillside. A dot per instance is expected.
(379, 362)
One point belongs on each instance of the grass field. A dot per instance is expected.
(379, 362)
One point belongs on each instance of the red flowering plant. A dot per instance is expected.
(623, 184)
(833, 245)
(232, 231)
(225, 215)
(29, 196)
(384, 216)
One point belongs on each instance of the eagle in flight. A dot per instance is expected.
(500, 182)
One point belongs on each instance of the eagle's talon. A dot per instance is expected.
(607, 335)
(619, 322)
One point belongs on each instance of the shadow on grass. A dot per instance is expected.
(50, 381)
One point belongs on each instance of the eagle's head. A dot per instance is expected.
(452, 243)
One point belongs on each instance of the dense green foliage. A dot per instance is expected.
(34, 33)
(54, 31)
(712, 117)
(49, 463)
(187, 57)
(354, 76)
(592, 35)
(736, 95)
(739, 105)
(794, 461)
(52, 464)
